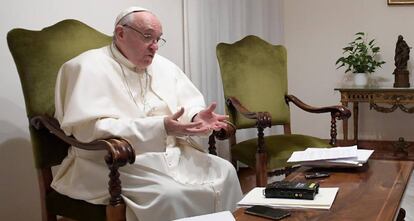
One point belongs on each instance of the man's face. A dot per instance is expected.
(137, 40)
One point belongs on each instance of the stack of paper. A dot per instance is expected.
(331, 157)
(222, 216)
(323, 200)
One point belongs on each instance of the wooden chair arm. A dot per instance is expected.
(339, 111)
(222, 134)
(120, 152)
(110, 144)
(263, 119)
(235, 103)
(225, 133)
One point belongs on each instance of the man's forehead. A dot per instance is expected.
(146, 21)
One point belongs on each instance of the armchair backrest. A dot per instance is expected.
(255, 72)
(38, 56)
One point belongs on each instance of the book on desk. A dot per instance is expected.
(323, 200)
(314, 157)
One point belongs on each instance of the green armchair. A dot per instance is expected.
(254, 75)
(38, 56)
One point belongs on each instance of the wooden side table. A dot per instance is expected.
(398, 98)
(381, 99)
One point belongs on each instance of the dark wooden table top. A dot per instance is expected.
(371, 192)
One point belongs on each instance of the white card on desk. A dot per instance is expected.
(222, 216)
(323, 200)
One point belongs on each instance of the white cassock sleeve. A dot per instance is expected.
(188, 97)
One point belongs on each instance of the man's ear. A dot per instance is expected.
(119, 32)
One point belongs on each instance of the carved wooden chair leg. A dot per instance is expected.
(234, 162)
(288, 170)
(401, 215)
(117, 157)
(212, 145)
(261, 169)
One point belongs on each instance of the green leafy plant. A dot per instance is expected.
(360, 56)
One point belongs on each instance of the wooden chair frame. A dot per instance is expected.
(120, 152)
(264, 120)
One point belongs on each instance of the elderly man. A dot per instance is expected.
(127, 90)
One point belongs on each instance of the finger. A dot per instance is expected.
(195, 131)
(191, 125)
(218, 127)
(178, 114)
(221, 117)
(211, 107)
(221, 125)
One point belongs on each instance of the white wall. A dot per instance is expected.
(19, 189)
(315, 33)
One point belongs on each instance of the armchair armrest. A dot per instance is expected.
(340, 111)
(223, 134)
(120, 152)
(263, 119)
(337, 112)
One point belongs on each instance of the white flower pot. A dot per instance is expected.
(360, 79)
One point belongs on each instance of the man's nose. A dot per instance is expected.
(153, 46)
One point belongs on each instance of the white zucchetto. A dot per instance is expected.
(128, 11)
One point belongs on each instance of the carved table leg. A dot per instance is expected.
(345, 123)
(356, 108)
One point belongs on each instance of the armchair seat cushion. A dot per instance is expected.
(278, 147)
(74, 209)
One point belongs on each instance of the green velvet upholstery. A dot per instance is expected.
(255, 72)
(38, 56)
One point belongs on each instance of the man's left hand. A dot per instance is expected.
(209, 119)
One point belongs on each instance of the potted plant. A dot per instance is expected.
(361, 58)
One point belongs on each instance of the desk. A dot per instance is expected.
(372, 192)
(396, 97)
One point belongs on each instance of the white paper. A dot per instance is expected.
(314, 154)
(222, 216)
(361, 158)
(323, 200)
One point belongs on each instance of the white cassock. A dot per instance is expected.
(99, 95)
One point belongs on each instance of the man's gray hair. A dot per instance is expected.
(125, 17)
(126, 20)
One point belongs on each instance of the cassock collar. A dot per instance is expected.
(123, 60)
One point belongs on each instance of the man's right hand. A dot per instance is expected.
(176, 128)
